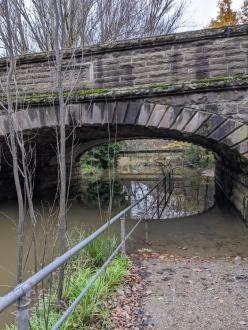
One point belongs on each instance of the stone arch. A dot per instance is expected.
(97, 122)
(225, 136)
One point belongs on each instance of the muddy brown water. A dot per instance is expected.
(192, 224)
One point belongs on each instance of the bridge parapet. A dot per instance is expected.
(168, 59)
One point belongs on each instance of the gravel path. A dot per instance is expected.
(194, 294)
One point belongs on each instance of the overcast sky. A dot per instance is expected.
(200, 12)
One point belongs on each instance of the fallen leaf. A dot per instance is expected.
(75, 325)
(148, 292)
(242, 322)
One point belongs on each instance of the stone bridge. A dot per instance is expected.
(189, 86)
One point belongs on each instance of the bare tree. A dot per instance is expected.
(7, 36)
(163, 17)
(91, 21)
(42, 26)
(58, 47)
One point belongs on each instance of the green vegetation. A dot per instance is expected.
(175, 145)
(101, 157)
(199, 156)
(193, 154)
(161, 86)
(79, 270)
(85, 92)
(95, 191)
(102, 192)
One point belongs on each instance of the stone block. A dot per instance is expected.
(132, 113)
(86, 111)
(224, 129)
(120, 112)
(49, 116)
(242, 148)
(210, 125)
(157, 115)
(145, 113)
(109, 112)
(97, 113)
(169, 117)
(128, 78)
(237, 136)
(74, 111)
(159, 74)
(183, 119)
(198, 119)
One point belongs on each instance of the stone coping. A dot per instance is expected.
(132, 44)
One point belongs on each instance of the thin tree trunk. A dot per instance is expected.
(14, 153)
(62, 141)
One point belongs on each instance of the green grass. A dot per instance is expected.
(79, 270)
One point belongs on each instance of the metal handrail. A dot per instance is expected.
(22, 290)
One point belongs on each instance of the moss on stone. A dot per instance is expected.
(52, 96)
(200, 82)
(85, 92)
(148, 88)
(161, 86)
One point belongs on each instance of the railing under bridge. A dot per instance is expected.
(153, 202)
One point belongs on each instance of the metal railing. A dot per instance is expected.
(21, 292)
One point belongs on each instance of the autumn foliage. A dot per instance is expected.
(244, 13)
(228, 17)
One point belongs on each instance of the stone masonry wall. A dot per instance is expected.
(46, 182)
(46, 176)
(235, 188)
(168, 59)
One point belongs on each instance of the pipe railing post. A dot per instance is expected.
(123, 235)
(157, 201)
(146, 221)
(165, 190)
(146, 232)
(22, 312)
(170, 187)
(146, 207)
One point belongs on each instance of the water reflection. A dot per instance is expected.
(103, 192)
(193, 193)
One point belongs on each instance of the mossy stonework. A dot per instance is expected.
(189, 86)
